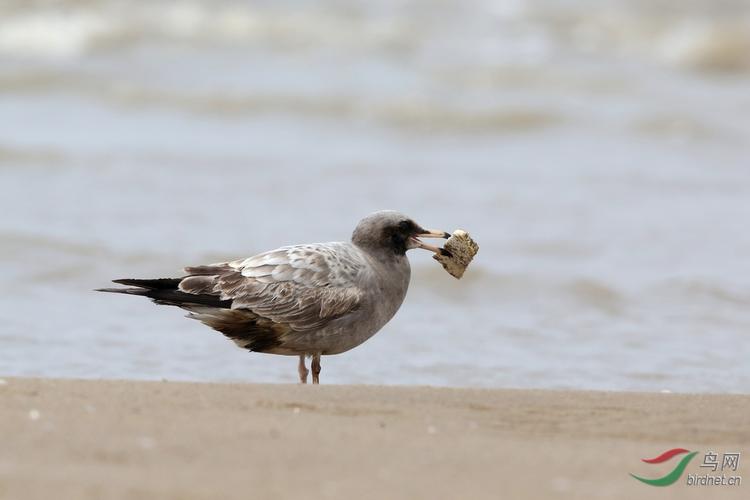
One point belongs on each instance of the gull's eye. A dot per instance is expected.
(404, 225)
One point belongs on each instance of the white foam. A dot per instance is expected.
(701, 45)
(50, 33)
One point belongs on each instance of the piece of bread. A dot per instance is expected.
(457, 253)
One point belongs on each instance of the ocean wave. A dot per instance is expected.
(700, 290)
(710, 47)
(677, 126)
(595, 294)
(482, 284)
(12, 156)
(71, 28)
(701, 35)
(17, 245)
(43, 32)
(25, 251)
(417, 114)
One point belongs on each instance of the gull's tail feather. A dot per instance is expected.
(165, 291)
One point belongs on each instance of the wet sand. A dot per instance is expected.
(74, 439)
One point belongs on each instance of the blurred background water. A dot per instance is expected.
(598, 151)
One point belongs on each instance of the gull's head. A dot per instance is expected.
(391, 231)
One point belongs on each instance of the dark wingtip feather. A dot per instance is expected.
(172, 297)
(127, 291)
(152, 284)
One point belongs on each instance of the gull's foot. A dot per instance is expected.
(315, 365)
(302, 370)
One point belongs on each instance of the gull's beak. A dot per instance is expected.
(429, 233)
(433, 233)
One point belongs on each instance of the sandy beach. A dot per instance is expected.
(595, 150)
(81, 439)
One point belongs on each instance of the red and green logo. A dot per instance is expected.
(673, 476)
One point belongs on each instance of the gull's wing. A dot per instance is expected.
(292, 289)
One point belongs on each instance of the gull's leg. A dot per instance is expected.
(302, 370)
(315, 365)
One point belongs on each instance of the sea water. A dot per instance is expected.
(598, 151)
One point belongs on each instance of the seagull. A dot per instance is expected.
(308, 300)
